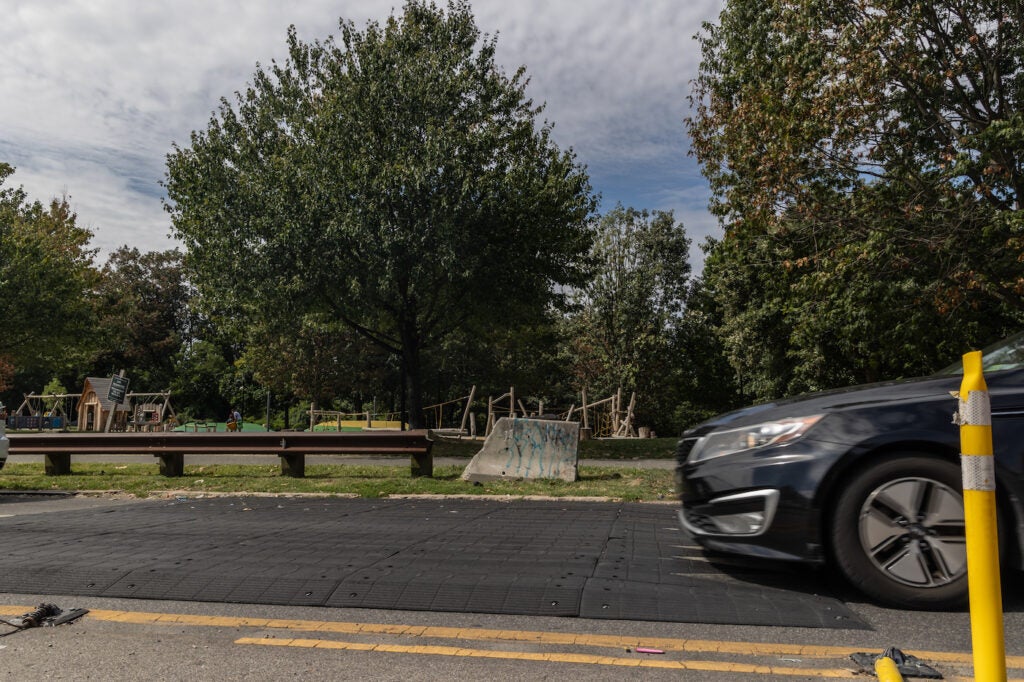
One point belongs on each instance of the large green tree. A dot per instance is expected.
(398, 182)
(144, 316)
(624, 331)
(47, 280)
(866, 160)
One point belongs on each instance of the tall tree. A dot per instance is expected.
(398, 182)
(866, 160)
(144, 318)
(47, 281)
(623, 334)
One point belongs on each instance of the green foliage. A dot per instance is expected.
(318, 360)
(144, 318)
(637, 292)
(397, 183)
(633, 328)
(198, 384)
(867, 163)
(699, 379)
(46, 278)
(53, 387)
(494, 357)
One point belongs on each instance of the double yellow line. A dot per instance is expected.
(814, 655)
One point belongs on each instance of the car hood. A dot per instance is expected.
(834, 400)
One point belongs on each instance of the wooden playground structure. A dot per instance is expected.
(150, 412)
(605, 418)
(334, 420)
(49, 411)
(608, 417)
(90, 411)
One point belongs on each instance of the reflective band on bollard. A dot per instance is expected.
(979, 483)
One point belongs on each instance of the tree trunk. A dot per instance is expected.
(413, 382)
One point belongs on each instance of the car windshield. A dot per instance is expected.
(1006, 354)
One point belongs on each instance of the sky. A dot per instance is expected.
(93, 93)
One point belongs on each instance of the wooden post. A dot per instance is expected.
(627, 426)
(490, 416)
(268, 410)
(586, 419)
(113, 408)
(616, 408)
(512, 401)
(465, 413)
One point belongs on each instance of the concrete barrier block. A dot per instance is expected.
(527, 448)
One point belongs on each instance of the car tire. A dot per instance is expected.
(898, 535)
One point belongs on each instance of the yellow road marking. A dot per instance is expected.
(538, 637)
(588, 659)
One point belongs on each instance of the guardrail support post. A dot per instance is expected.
(294, 465)
(57, 465)
(422, 464)
(172, 464)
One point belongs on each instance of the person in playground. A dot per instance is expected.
(234, 422)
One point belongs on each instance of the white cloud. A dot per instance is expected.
(93, 92)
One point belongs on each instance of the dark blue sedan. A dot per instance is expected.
(865, 479)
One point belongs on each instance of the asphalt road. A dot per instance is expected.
(58, 540)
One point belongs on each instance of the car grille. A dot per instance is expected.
(683, 449)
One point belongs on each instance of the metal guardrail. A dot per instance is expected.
(171, 447)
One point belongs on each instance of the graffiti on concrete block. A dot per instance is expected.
(527, 448)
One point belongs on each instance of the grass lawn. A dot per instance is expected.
(620, 483)
(610, 448)
(364, 481)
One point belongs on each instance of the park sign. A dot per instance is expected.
(118, 389)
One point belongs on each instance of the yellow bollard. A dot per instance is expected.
(979, 482)
(886, 670)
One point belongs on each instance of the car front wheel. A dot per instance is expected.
(898, 533)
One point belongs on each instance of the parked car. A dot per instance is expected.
(865, 479)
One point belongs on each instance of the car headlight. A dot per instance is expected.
(744, 438)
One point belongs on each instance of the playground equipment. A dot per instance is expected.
(139, 412)
(610, 419)
(334, 420)
(44, 411)
(150, 412)
(611, 422)
(437, 416)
